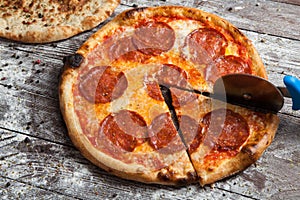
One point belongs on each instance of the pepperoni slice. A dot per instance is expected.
(205, 45)
(168, 75)
(154, 91)
(226, 65)
(123, 49)
(163, 135)
(191, 131)
(125, 129)
(225, 130)
(154, 38)
(181, 97)
(102, 85)
(171, 75)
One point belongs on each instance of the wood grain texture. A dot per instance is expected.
(292, 2)
(59, 168)
(14, 190)
(38, 160)
(267, 17)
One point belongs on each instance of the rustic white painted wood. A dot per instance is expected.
(38, 160)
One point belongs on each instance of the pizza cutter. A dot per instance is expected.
(256, 93)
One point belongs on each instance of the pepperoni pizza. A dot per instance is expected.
(128, 102)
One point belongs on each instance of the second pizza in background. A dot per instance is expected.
(47, 21)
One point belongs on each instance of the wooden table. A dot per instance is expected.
(38, 160)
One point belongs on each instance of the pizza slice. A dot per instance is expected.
(222, 138)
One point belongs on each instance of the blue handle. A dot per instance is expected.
(293, 86)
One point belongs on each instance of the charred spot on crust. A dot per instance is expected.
(168, 175)
(191, 178)
(250, 151)
(132, 12)
(210, 169)
(109, 170)
(73, 61)
(247, 150)
(190, 11)
(165, 175)
(182, 181)
(236, 30)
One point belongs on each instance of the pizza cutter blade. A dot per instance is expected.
(257, 93)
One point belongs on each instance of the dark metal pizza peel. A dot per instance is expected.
(257, 93)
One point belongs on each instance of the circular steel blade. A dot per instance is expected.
(249, 91)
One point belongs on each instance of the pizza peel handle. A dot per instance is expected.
(293, 86)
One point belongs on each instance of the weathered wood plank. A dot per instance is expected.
(14, 190)
(32, 114)
(278, 54)
(61, 169)
(268, 17)
(34, 68)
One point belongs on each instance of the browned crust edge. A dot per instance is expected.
(56, 33)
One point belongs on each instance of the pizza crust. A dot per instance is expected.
(47, 21)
